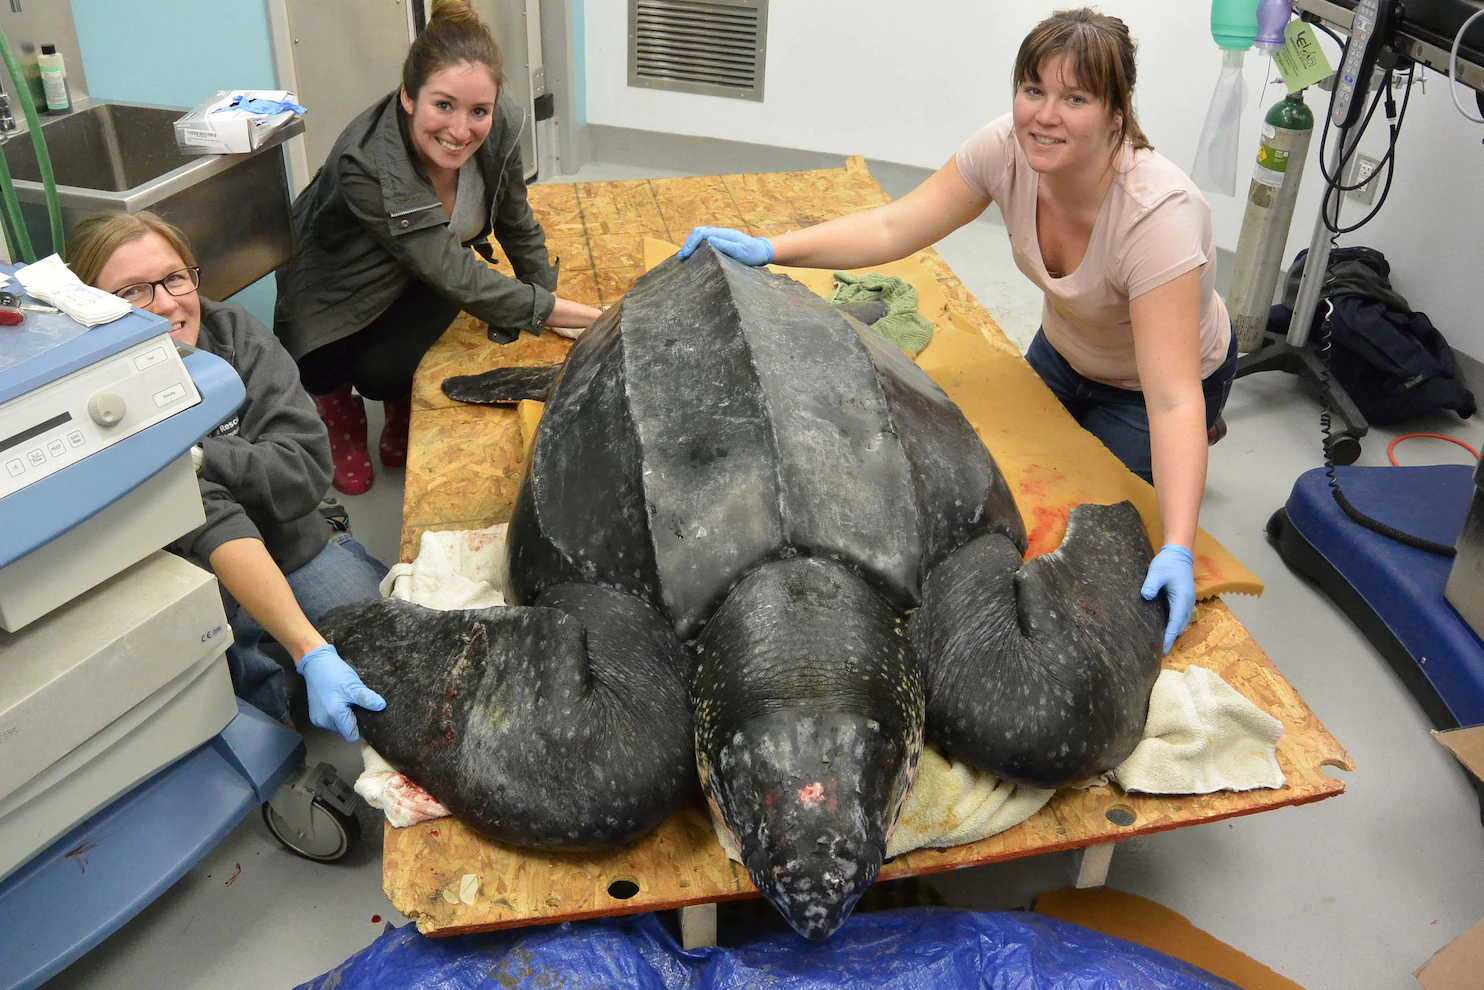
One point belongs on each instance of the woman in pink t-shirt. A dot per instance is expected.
(1134, 340)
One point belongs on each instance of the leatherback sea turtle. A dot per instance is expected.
(754, 539)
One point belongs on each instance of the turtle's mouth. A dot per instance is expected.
(815, 893)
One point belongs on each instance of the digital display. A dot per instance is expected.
(35, 431)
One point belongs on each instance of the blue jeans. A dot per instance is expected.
(1117, 416)
(341, 574)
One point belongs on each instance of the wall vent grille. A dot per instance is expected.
(712, 47)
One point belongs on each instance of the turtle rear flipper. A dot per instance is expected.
(503, 386)
(562, 725)
(1040, 672)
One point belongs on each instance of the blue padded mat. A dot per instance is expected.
(917, 948)
(1403, 586)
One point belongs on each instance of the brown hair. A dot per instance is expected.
(97, 237)
(1101, 52)
(454, 35)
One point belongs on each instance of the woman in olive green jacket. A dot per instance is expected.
(384, 230)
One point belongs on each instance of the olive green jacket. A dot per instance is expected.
(370, 223)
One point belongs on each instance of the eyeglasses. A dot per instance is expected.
(177, 283)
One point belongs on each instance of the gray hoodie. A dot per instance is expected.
(265, 469)
(370, 223)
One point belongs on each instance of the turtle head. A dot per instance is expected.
(809, 710)
(810, 798)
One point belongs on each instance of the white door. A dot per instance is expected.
(347, 54)
(516, 25)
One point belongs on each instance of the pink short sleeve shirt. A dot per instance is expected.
(1154, 226)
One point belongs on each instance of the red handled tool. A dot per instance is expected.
(10, 309)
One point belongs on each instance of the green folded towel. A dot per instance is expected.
(903, 325)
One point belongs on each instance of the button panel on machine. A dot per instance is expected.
(80, 414)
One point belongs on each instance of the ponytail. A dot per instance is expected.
(454, 35)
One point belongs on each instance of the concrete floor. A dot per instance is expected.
(1357, 891)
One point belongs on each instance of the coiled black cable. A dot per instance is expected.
(1337, 190)
(1335, 186)
(1375, 525)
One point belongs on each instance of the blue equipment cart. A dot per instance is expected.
(116, 708)
(1394, 593)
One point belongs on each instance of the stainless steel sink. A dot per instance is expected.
(122, 156)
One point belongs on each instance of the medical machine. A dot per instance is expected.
(124, 756)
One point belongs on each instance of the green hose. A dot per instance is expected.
(9, 234)
(43, 160)
(15, 224)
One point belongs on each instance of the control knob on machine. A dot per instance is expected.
(106, 408)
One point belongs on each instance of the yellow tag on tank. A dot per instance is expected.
(1272, 164)
(1301, 61)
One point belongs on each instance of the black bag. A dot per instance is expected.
(1391, 361)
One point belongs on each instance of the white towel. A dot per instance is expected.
(453, 570)
(951, 804)
(403, 802)
(459, 569)
(1200, 736)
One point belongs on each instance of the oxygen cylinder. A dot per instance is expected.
(1286, 131)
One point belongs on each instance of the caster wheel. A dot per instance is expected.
(330, 836)
(1277, 523)
(1342, 449)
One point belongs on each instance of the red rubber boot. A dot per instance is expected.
(344, 416)
(393, 446)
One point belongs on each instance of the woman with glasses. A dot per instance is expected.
(262, 474)
(384, 235)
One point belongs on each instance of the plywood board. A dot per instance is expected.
(680, 863)
(465, 465)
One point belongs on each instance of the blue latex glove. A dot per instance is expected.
(262, 107)
(745, 248)
(333, 687)
(1173, 571)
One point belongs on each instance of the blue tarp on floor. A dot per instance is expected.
(919, 948)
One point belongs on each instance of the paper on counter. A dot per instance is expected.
(52, 282)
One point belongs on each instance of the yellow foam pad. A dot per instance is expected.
(1051, 463)
(528, 414)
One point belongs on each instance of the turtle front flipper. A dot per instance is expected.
(808, 707)
(503, 386)
(1040, 672)
(564, 724)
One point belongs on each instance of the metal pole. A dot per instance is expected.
(1317, 260)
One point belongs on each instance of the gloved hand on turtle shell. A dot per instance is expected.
(745, 248)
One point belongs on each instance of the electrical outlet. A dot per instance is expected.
(1364, 171)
